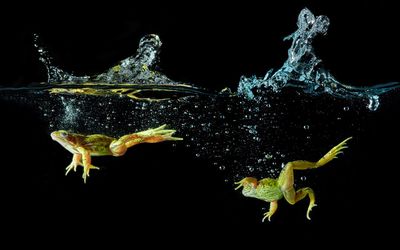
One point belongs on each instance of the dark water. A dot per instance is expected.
(190, 184)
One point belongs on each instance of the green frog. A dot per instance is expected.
(83, 147)
(271, 190)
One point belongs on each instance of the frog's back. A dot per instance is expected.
(98, 144)
(269, 190)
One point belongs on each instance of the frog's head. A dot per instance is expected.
(66, 139)
(247, 183)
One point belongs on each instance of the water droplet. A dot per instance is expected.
(373, 103)
(197, 155)
(268, 156)
(250, 168)
(306, 127)
(346, 108)
(303, 178)
(222, 167)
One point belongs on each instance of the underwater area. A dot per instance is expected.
(248, 89)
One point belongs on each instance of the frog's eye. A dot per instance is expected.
(64, 134)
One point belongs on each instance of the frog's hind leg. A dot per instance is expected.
(160, 134)
(286, 177)
(301, 193)
(157, 135)
(332, 154)
(76, 160)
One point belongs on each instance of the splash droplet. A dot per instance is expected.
(373, 102)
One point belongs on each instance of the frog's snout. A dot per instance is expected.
(53, 135)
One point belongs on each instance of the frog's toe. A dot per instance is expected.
(71, 166)
(84, 175)
(268, 216)
(309, 210)
(94, 167)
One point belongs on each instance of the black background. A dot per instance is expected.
(210, 46)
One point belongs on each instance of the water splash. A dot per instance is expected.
(134, 69)
(54, 74)
(303, 69)
(138, 68)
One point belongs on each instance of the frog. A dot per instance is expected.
(83, 147)
(273, 189)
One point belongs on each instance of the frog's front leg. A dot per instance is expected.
(76, 160)
(273, 206)
(87, 163)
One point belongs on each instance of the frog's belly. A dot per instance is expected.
(96, 151)
(71, 149)
(269, 194)
(100, 153)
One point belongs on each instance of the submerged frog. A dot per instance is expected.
(272, 190)
(84, 146)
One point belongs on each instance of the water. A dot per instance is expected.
(216, 123)
(304, 70)
(296, 112)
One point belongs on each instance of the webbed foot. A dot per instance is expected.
(158, 135)
(273, 206)
(267, 215)
(310, 207)
(71, 166)
(76, 160)
(86, 171)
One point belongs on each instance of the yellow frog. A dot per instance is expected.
(272, 190)
(84, 146)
